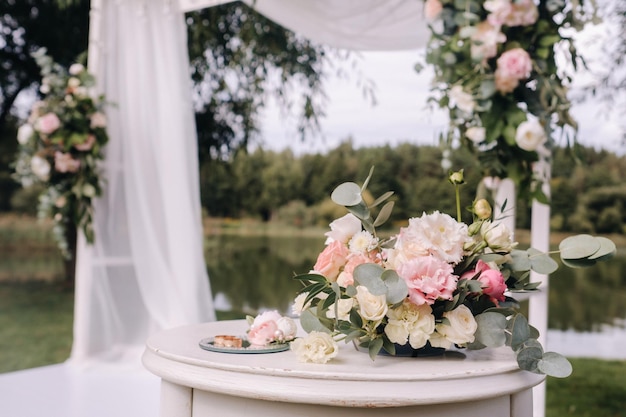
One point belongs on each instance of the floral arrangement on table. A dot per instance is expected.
(496, 74)
(60, 146)
(438, 283)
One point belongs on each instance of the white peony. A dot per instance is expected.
(343, 228)
(24, 133)
(40, 167)
(435, 234)
(316, 347)
(460, 330)
(530, 135)
(371, 307)
(287, 328)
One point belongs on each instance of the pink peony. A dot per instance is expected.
(87, 144)
(263, 334)
(491, 279)
(428, 279)
(432, 9)
(515, 63)
(63, 162)
(48, 123)
(331, 260)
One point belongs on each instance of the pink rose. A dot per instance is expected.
(63, 162)
(505, 84)
(432, 9)
(515, 63)
(491, 279)
(331, 260)
(48, 123)
(87, 144)
(262, 334)
(428, 279)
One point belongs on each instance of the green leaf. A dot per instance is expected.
(490, 330)
(310, 277)
(397, 290)
(369, 275)
(578, 263)
(310, 322)
(555, 365)
(374, 347)
(384, 214)
(389, 346)
(347, 194)
(367, 180)
(542, 262)
(579, 247)
(360, 210)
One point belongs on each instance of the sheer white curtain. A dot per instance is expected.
(146, 270)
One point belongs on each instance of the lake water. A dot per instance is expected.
(587, 307)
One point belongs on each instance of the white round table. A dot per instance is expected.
(196, 382)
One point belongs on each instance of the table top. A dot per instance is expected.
(350, 379)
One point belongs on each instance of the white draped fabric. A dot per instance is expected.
(146, 270)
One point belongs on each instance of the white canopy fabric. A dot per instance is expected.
(146, 270)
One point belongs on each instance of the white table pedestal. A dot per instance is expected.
(196, 382)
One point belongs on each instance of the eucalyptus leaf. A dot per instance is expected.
(607, 249)
(579, 247)
(384, 214)
(397, 290)
(542, 262)
(520, 260)
(310, 322)
(347, 194)
(578, 263)
(382, 198)
(555, 365)
(490, 330)
(369, 275)
(520, 331)
(360, 210)
(528, 358)
(367, 180)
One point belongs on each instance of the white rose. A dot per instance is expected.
(316, 347)
(40, 167)
(73, 82)
(371, 307)
(475, 134)
(343, 228)
(287, 327)
(463, 100)
(76, 69)
(530, 135)
(498, 236)
(24, 133)
(460, 330)
(344, 306)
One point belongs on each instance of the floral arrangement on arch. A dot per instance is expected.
(496, 73)
(60, 146)
(438, 283)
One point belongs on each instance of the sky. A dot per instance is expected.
(400, 114)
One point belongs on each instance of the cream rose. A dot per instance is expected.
(316, 347)
(497, 236)
(371, 307)
(462, 100)
(530, 135)
(24, 133)
(475, 133)
(460, 330)
(344, 306)
(40, 167)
